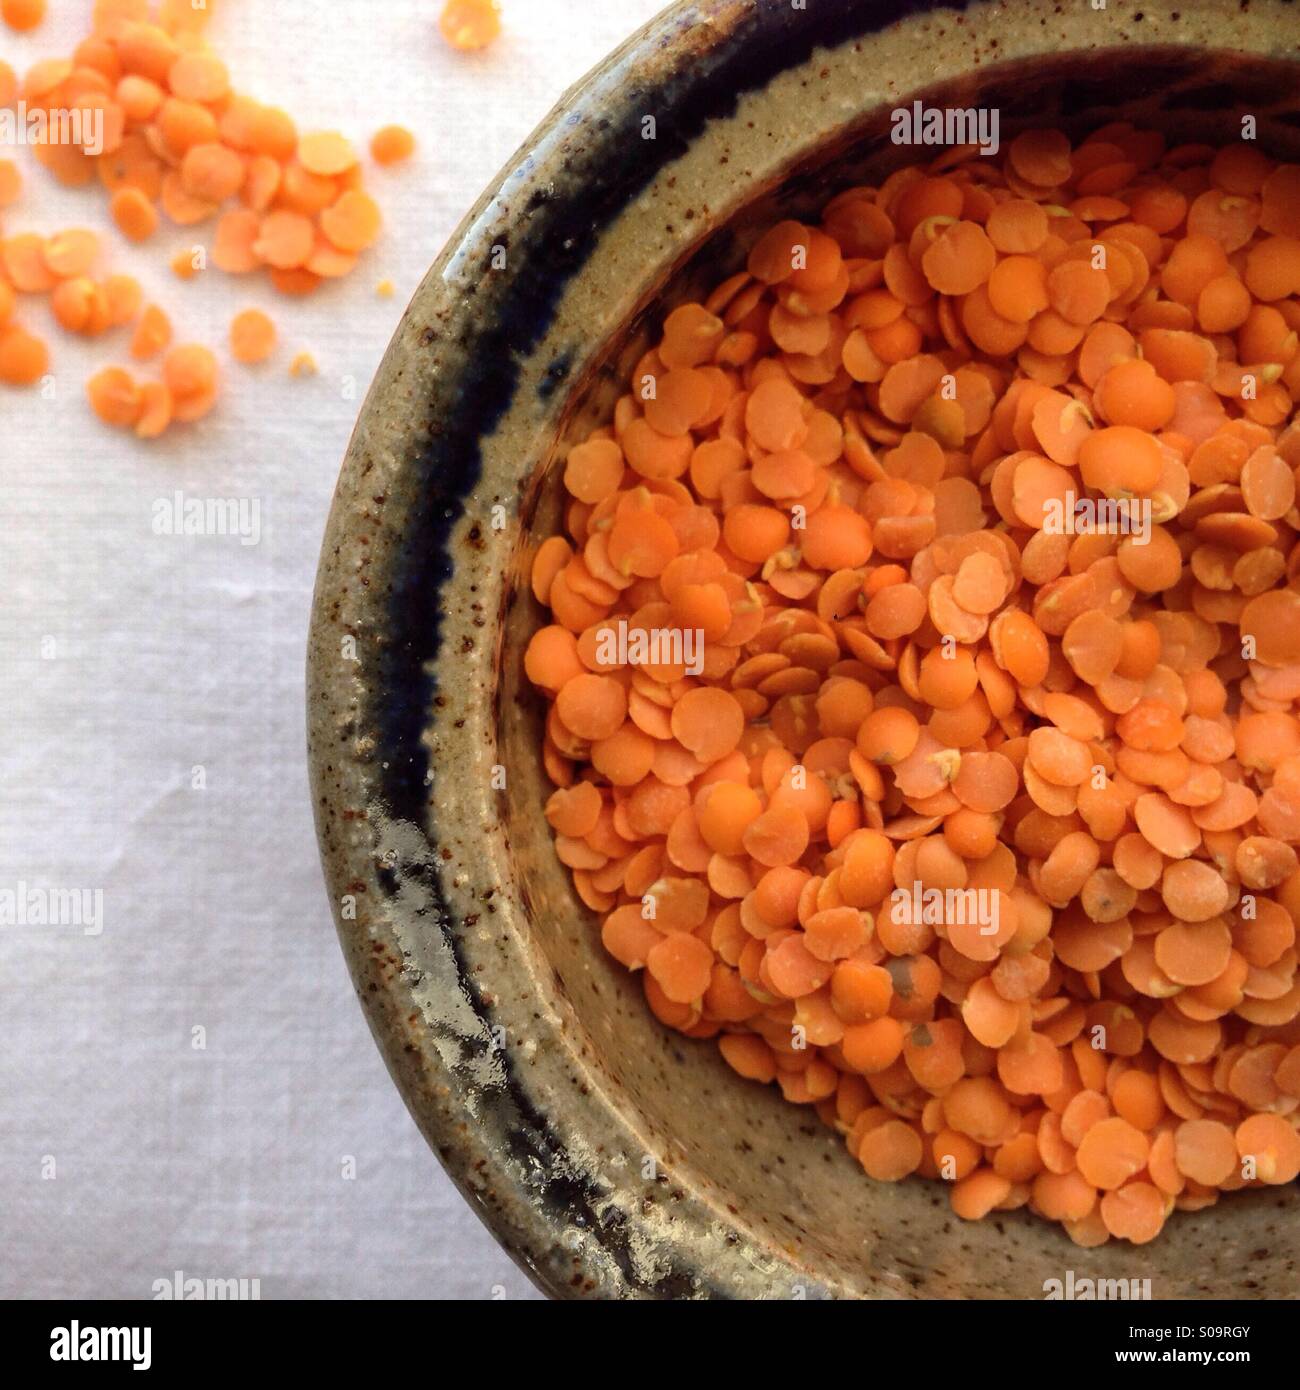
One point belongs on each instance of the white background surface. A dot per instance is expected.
(167, 654)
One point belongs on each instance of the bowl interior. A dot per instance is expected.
(765, 1165)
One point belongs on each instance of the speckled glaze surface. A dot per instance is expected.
(612, 1158)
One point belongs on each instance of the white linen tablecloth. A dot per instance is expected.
(194, 1088)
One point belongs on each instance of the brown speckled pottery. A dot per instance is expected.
(612, 1157)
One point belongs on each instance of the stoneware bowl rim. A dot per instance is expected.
(391, 544)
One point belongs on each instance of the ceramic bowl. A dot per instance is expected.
(611, 1157)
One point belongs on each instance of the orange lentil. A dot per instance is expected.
(115, 397)
(190, 374)
(749, 1056)
(252, 336)
(135, 215)
(285, 240)
(836, 537)
(139, 97)
(24, 358)
(959, 259)
(391, 144)
(155, 410)
(1120, 459)
(23, 260)
(211, 173)
(22, 15)
(181, 125)
(851, 481)
(1111, 1152)
(1205, 1151)
(1041, 157)
(81, 306)
(777, 837)
(888, 735)
(198, 76)
(1273, 1145)
(1135, 1212)
(873, 1046)
(153, 332)
(1017, 288)
(974, 1197)
(326, 153)
(1130, 393)
(470, 24)
(1017, 226)
(179, 141)
(71, 253)
(1078, 291)
(352, 223)
(272, 132)
(592, 706)
(294, 188)
(890, 1151)
(234, 241)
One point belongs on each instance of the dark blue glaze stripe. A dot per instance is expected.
(512, 312)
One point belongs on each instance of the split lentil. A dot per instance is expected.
(470, 24)
(179, 143)
(252, 336)
(850, 478)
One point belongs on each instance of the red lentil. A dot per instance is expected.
(915, 677)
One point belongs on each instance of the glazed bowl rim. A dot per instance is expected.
(438, 1095)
